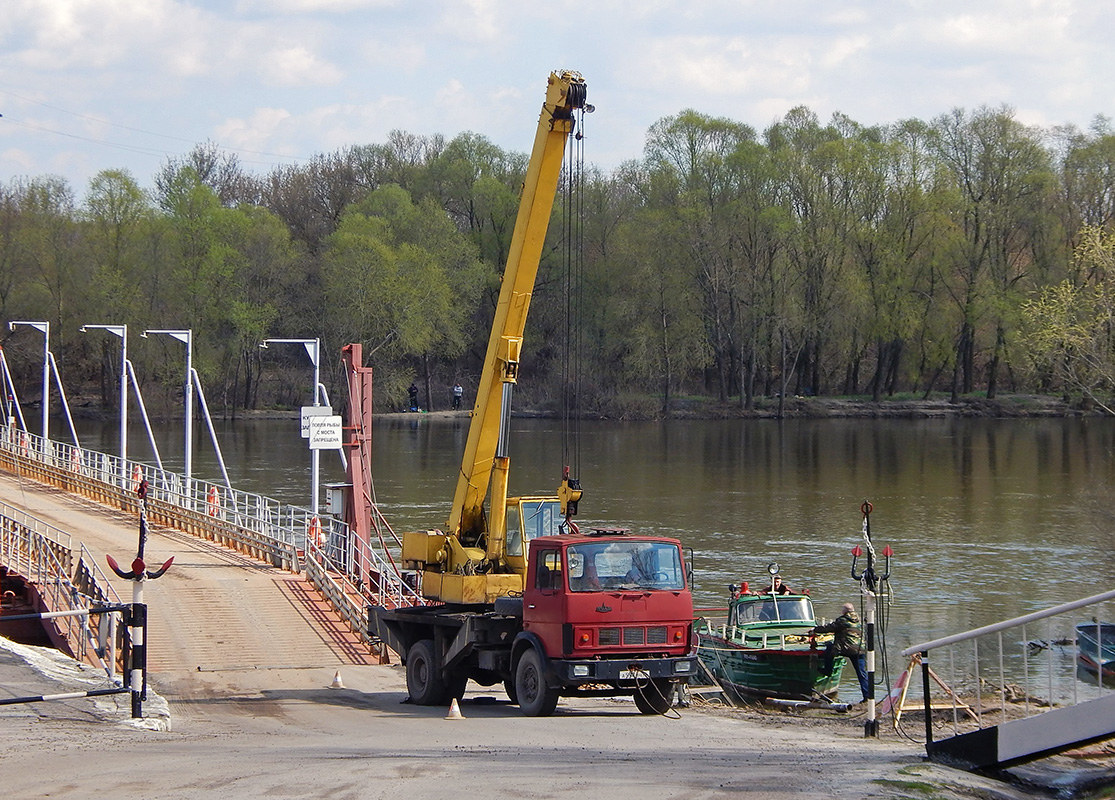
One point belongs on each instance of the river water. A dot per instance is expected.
(988, 519)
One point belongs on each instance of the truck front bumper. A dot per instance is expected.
(623, 672)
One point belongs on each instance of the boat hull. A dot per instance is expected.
(758, 672)
(1095, 647)
(19, 597)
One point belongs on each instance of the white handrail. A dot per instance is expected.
(1010, 623)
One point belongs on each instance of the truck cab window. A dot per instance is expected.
(514, 532)
(549, 570)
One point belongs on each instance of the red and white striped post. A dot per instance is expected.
(136, 617)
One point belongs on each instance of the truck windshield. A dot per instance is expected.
(629, 565)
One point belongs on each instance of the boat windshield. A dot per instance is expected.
(625, 565)
(772, 609)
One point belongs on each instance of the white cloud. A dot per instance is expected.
(843, 49)
(477, 22)
(255, 134)
(713, 65)
(275, 7)
(18, 161)
(297, 66)
(309, 76)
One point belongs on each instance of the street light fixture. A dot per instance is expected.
(122, 332)
(186, 336)
(45, 328)
(313, 350)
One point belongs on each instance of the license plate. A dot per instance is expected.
(631, 675)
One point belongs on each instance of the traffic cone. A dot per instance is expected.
(336, 684)
(454, 711)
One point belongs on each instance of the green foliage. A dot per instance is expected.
(821, 257)
(1070, 327)
(400, 278)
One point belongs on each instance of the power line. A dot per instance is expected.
(132, 148)
(151, 151)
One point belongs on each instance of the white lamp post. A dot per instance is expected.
(187, 337)
(313, 350)
(122, 332)
(45, 328)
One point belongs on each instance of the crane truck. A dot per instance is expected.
(516, 592)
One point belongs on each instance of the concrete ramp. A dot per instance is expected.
(1022, 740)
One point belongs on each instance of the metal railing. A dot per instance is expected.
(349, 573)
(68, 582)
(1013, 669)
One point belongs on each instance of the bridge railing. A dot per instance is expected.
(65, 580)
(1014, 669)
(279, 533)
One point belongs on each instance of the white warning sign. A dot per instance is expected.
(325, 433)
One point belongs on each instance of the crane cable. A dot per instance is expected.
(573, 219)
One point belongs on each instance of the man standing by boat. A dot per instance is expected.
(847, 640)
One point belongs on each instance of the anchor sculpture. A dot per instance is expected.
(872, 586)
(139, 569)
(137, 615)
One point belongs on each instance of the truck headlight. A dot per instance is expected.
(580, 671)
(683, 667)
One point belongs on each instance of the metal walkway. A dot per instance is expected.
(1023, 683)
(347, 573)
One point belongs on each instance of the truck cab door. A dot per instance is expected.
(544, 598)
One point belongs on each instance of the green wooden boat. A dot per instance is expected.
(764, 649)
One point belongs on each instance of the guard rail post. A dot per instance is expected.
(925, 678)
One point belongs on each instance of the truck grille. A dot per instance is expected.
(631, 636)
(634, 635)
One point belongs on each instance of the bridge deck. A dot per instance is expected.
(216, 615)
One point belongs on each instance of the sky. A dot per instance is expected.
(91, 85)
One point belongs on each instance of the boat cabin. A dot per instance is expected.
(778, 609)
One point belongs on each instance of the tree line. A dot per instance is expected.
(969, 253)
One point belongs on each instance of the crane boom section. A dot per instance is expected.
(565, 93)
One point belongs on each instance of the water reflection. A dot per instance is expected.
(988, 519)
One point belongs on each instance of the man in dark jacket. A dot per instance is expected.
(777, 586)
(847, 640)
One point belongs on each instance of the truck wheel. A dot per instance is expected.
(536, 699)
(424, 683)
(655, 696)
(454, 688)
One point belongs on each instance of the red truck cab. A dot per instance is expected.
(610, 610)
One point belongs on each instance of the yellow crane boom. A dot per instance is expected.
(455, 567)
(565, 92)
